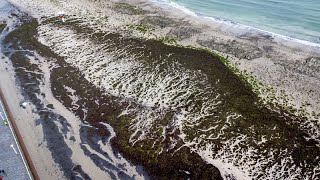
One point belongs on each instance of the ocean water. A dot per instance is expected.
(292, 18)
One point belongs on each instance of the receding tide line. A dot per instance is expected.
(230, 23)
(32, 173)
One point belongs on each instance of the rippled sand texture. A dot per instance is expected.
(188, 94)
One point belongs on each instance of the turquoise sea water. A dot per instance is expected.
(299, 19)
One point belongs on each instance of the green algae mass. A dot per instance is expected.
(2, 26)
(280, 128)
(126, 8)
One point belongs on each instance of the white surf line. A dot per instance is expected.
(15, 139)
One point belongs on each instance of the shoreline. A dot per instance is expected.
(262, 55)
(238, 29)
(239, 26)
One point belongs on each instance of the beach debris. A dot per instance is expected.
(3, 172)
(12, 146)
(24, 104)
(61, 15)
(4, 120)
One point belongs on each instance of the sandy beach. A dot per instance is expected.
(279, 62)
(106, 102)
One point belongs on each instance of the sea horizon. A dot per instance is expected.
(194, 9)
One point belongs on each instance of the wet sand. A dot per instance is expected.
(283, 64)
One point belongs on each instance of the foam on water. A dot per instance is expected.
(238, 27)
